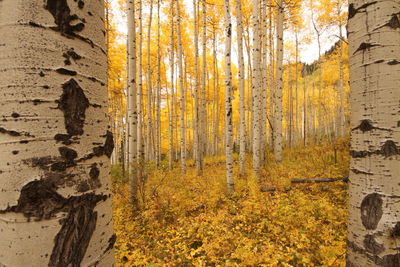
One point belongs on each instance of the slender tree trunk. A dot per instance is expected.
(242, 121)
(341, 87)
(182, 91)
(172, 104)
(140, 139)
(228, 99)
(149, 147)
(256, 88)
(304, 111)
(158, 93)
(296, 120)
(374, 188)
(132, 93)
(203, 110)
(55, 147)
(278, 93)
(196, 112)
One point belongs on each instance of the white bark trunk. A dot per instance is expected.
(256, 88)
(242, 119)
(374, 53)
(55, 204)
(132, 93)
(182, 91)
(279, 82)
(228, 99)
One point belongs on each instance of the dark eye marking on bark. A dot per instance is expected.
(353, 11)
(70, 54)
(94, 173)
(391, 260)
(394, 22)
(67, 153)
(61, 12)
(15, 133)
(393, 62)
(66, 72)
(372, 246)
(366, 126)
(371, 211)
(396, 231)
(81, 4)
(39, 199)
(9, 132)
(98, 151)
(15, 115)
(389, 148)
(365, 46)
(73, 103)
(63, 138)
(71, 242)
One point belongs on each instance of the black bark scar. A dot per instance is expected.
(73, 103)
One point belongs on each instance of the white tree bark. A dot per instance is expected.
(203, 110)
(242, 119)
(132, 93)
(172, 104)
(158, 93)
(140, 140)
(182, 90)
(374, 54)
(278, 91)
(55, 197)
(196, 112)
(149, 147)
(228, 99)
(256, 88)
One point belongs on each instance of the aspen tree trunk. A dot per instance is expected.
(228, 99)
(203, 114)
(256, 88)
(271, 74)
(304, 111)
(140, 139)
(216, 89)
(374, 211)
(196, 112)
(242, 119)
(158, 93)
(342, 131)
(172, 104)
(149, 147)
(182, 91)
(296, 121)
(290, 105)
(278, 91)
(55, 145)
(264, 81)
(132, 93)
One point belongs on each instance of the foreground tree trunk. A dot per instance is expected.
(256, 88)
(242, 119)
(278, 92)
(228, 98)
(374, 53)
(182, 90)
(132, 111)
(55, 204)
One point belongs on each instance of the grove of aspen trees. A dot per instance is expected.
(199, 133)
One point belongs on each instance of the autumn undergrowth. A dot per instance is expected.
(187, 220)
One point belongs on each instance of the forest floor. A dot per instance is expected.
(189, 221)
